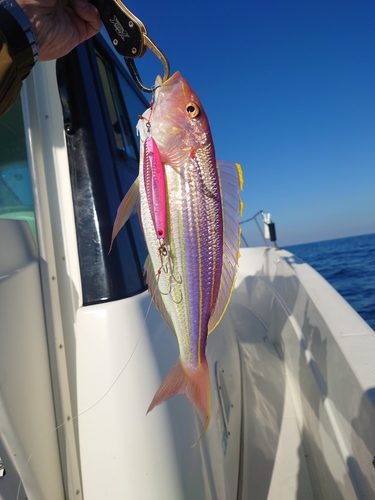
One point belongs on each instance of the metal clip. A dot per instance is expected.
(129, 37)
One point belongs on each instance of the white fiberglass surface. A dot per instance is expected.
(303, 435)
(273, 460)
(28, 448)
(124, 350)
(331, 385)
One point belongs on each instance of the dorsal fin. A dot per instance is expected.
(231, 182)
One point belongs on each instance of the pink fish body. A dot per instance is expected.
(191, 269)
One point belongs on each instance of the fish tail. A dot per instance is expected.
(194, 383)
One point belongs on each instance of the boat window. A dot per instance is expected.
(16, 200)
(103, 162)
(113, 82)
(135, 105)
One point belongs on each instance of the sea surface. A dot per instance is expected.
(348, 264)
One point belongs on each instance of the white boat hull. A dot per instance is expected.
(291, 366)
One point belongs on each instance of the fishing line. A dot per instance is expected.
(41, 441)
(148, 125)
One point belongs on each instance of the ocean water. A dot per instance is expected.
(348, 264)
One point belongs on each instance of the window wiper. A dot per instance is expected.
(129, 37)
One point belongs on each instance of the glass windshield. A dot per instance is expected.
(16, 200)
(103, 161)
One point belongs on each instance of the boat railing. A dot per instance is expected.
(269, 232)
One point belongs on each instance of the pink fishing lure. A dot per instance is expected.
(153, 175)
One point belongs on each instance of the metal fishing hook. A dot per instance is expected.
(168, 269)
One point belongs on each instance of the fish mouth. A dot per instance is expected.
(176, 77)
(158, 82)
(172, 80)
(156, 89)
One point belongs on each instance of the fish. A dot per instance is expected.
(189, 206)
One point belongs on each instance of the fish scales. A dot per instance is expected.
(203, 244)
(190, 269)
(192, 245)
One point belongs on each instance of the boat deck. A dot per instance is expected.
(274, 461)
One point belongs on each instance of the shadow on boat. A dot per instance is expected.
(303, 414)
(333, 415)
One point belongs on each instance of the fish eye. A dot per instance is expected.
(192, 109)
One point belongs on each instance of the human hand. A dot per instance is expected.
(60, 25)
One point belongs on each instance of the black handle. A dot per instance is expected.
(125, 30)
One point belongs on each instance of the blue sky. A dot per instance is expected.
(289, 90)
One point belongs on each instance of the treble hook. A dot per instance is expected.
(129, 37)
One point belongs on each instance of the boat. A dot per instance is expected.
(83, 349)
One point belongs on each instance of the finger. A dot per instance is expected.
(89, 13)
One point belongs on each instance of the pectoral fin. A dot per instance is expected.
(127, 207)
